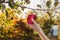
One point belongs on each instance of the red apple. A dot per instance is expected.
(31, 16)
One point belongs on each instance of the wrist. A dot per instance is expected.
(37, 27)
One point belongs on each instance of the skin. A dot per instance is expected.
(37, 28)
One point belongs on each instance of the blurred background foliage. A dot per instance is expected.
(14, 28)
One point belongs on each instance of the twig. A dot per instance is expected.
(31, 8)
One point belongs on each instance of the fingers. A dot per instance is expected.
(33, 21)
(33, 26)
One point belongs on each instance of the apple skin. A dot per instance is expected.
(31, 16)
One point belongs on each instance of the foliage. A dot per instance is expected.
(56, 3)
(11, 27)
(48, 4)
(47, 25)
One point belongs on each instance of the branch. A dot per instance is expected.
(31, 8)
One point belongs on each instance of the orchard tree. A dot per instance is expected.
(51, 12)
(12, 26)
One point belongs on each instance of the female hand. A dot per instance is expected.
(37, 28)
(34, 26)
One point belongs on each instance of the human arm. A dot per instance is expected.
(37, 28)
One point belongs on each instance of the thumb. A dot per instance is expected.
(33, 21)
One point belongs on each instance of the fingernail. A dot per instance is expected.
(32, 19)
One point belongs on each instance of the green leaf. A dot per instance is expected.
(49, 13)
(48, 3)
(0, 6)
(27, 1)
(11, 0)
(56, 0)
(3, 7)
(6, 13)
(2, 0)
(39, 6)
(55, 4)
(11, 5)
